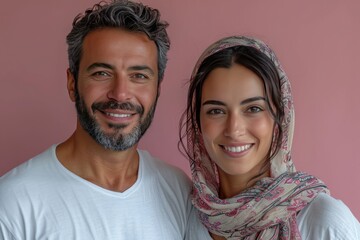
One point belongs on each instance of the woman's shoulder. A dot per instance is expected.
(327, 218)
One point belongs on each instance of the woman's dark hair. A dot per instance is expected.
(258, 63)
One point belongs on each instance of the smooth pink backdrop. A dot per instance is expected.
(316, 41)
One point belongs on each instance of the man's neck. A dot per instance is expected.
(112, 170)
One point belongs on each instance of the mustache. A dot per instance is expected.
(102, 106)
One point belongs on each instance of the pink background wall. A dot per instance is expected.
(316, 41)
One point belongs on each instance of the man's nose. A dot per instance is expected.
(119, 89)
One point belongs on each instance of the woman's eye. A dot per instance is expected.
(215, 112)
(254, 109)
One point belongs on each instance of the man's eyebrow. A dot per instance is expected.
(142, 68)
(246, 101)
(100, 65)
(111, 67)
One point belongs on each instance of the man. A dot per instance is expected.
(96, 184)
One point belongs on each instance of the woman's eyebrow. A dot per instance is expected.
(213, 102)
(252, 99)
(246, 101)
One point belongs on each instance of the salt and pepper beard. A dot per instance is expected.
(116, 141)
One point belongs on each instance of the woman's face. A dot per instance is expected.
(235, 123)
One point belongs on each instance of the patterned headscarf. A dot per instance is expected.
(268, 209)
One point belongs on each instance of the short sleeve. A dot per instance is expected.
(5, 234)
(195, 229)
(328, 218)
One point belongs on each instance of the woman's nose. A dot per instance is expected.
(235, 126)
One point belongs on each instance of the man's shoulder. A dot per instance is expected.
(159, 164)
(22, 175)
(163, 169)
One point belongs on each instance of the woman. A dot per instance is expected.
(239, 125)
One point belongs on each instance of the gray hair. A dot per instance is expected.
(123, 14)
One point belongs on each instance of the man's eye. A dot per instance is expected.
(140, 76)
(101, 74)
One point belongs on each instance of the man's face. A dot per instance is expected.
(117, 87)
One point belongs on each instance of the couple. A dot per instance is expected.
(237, 132)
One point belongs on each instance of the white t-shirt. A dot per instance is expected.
(327, 218)
(41, 199)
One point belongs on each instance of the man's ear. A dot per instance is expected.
(71, 84)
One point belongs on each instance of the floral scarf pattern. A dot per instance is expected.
(268, 209)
